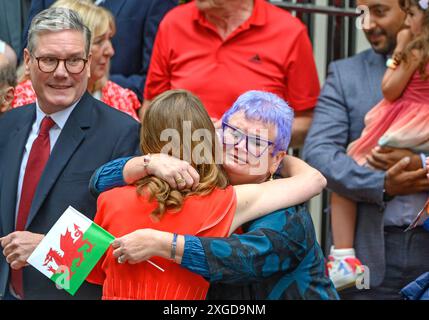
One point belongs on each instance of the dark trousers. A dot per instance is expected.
(9, 296)
(407, 257)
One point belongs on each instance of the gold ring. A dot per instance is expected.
(180, 180)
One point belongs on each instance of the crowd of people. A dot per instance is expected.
(169, 125)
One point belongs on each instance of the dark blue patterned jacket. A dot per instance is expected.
(277, 258)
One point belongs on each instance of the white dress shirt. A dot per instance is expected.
(60, 119)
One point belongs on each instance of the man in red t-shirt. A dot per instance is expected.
(221, 49)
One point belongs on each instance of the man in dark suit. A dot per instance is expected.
(136, 23)
(48, 150)
(388, 198)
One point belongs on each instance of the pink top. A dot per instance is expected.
(399, 124)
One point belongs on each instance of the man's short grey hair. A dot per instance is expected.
(7, 75)
(57, 19)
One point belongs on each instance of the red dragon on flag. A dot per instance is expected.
(69, 245)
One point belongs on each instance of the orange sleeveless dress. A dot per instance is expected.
(121, 211)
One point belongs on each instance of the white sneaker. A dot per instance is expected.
(344, 268)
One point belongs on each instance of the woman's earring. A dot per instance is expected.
(272, 177)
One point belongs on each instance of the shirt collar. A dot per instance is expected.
(258, 17)
(60, 117)
(259, 14)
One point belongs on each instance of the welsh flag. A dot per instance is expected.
(70, 250)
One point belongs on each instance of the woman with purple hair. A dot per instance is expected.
(278, 256)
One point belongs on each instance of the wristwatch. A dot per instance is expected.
(387, 197)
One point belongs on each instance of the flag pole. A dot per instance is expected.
(155, 265)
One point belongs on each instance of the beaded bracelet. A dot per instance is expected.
(391, 63)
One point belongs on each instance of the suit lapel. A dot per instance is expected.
(114, 6)
(14, 152)
(69, 140)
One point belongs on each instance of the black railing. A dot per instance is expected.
(309, 7)
(341, 30)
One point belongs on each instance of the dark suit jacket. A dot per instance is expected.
(13, 17)
(352, 88)
(136, 23)
(94, 134)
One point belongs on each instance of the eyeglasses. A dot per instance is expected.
(232, 136)
(50, 64)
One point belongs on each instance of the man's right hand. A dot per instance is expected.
(177, 173)
(383, 158)
(398, 181)
(18, 246)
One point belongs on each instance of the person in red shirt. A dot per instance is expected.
(221, 49)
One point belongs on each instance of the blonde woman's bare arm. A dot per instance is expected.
(292, 166)
(256, 200)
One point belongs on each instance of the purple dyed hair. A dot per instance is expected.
(267, 108)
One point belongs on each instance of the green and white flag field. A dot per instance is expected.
(70, 250)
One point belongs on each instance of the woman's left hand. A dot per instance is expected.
(141, 245)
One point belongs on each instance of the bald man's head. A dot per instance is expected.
(7, 84)
(6, 52)
(3, 60)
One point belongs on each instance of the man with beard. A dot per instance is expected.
(388, 197)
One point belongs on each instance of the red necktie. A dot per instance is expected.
(37, 160)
